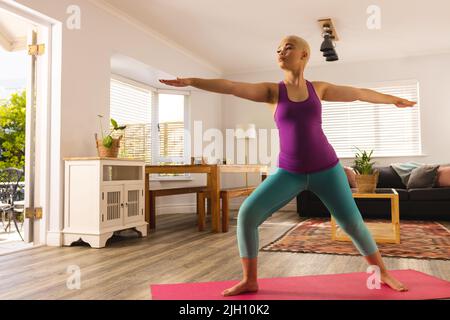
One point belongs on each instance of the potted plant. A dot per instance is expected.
(108, 146)
(366, 176)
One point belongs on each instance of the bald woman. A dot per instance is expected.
(306, 161)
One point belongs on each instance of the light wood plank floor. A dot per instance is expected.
(175, 252)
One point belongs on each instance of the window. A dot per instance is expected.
(156, 123)
(387, 130)
(170, 138)
(131, 106)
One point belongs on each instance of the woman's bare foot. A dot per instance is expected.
(389, 280)
(241, 287)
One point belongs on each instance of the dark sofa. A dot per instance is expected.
(420, 204)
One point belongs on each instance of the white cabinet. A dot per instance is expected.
(102, 195)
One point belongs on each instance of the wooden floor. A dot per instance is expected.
(176, 252)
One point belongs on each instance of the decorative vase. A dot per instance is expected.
(105, 152)
(367, 183)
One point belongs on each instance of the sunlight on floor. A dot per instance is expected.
(10, 241)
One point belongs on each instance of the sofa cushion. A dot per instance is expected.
(351, 176)
(429, 194)
(423, 177)
(403, 169)
(388, 178)
(443, 176)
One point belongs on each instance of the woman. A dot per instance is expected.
(306, 159)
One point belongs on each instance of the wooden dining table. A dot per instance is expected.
(213, 172)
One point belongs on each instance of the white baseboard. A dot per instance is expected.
(54, 238)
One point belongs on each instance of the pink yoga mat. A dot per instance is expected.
(349, 286)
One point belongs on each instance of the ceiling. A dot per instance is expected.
(13, 32)
(236, 36)
(136, 70)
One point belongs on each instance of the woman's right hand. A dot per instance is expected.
(179, 82)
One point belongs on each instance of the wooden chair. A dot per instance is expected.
(168, 192)
(225, 194)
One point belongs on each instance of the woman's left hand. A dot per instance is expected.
(179, 82)
(403, 103)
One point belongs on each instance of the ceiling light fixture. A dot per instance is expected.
(329, 35)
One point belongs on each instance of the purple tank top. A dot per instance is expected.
(303, 145)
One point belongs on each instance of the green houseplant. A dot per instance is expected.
(12, 131)
(108, 146)
(366, 176)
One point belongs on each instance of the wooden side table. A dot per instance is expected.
(381, 232)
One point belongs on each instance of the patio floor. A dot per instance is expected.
(10, 241)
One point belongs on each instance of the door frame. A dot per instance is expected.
(48, 173)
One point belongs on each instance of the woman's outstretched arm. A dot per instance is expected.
(332, 92)
(258, 92)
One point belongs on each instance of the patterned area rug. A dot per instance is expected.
(419, 240)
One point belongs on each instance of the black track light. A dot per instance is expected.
(329, 53)
(327, 44)
(332, 58)
(329, 36)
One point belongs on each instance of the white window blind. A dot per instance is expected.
(131, 106)
(156, 124)
(385, 129)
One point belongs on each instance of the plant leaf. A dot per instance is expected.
(107, 141)
(114, 123)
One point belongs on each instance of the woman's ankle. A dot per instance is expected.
(249, 280)
(385, 273)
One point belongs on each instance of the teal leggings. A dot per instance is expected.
(330, 185)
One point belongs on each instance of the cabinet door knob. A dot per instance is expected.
(121, 205)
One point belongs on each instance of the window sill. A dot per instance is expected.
(403, 156)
